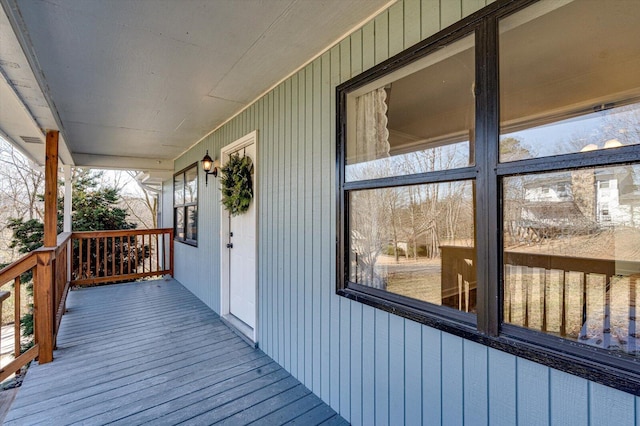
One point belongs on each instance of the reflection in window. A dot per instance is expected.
(185, 205)
(416, 241)
(569, 270)
(192, 223)
(403, 126)
(191, 185)
(569, 91)
(179, 224)
(178, 189)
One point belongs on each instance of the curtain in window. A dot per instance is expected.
(372, 135)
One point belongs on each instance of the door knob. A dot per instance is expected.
(230, 245)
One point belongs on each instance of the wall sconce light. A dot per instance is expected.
(210, 167)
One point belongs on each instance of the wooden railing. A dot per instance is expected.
(48, 266)
(550, 293)
(116, 256)
(458, 289)
(79, 258)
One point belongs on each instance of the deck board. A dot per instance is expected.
(152, 352)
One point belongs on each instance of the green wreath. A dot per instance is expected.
(237, 184)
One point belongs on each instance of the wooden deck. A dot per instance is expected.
(153, 353)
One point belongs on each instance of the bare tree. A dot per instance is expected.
(21, 182)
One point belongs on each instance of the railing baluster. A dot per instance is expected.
(563, 306)
(156, 239)
(633, 315)
(105, 270)
(80, 263)
(113, 256)
(585, 279)
(526, 283)
(121, 249)
(507, 293)
(98, 258)
(146, 253)
(546, 284)
(89, 274)
(16, 316)
(606, 326)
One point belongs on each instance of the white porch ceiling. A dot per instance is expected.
(133, 84)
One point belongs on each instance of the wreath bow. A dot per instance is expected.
(237, 184)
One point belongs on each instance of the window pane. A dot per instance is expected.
(572, 255)
(418, 119)
(191, 185)
(179, 223)
(416, 241)
(178, 189)
(192, 223)
(565, 91)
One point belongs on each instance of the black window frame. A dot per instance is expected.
(184, 205)
(487, 327)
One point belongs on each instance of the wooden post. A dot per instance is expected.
(43, 311)
(51, 190)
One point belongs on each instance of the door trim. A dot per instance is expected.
(239, 326)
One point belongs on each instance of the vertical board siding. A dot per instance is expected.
(475, 371)
(502, 388)
(610, 407)
(412, 12)
(316, 221)
(301, 225)
(293, 228)
(327, 169)
(396, 369)
(381, 367)
(431, 375)
(533, 393)
(334, 338)
(355, 364)
(569, 399)
(370, 366)
(413, 373)
(452, 386)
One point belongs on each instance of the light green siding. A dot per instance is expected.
(369, 365)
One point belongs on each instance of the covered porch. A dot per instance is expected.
(152, 352)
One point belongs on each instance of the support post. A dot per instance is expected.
(67, 199)
(66, 226)
(45, 273)
(51, 190)
(43, 311)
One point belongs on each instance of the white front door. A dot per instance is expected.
(238, 244)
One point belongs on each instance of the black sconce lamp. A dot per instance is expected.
(210, 167)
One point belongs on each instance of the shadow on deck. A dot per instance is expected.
(153, 353)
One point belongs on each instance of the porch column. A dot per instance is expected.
(67, 199)
(51, 190)
(66, 225)
(44, 276)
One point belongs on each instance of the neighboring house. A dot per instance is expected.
(595, 200)
(282, 273)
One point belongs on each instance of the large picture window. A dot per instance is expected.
(489, 184)
(409, 177)
(185, 205)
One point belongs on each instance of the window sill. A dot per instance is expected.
(187, 242)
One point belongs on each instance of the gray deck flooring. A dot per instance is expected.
(153, 353)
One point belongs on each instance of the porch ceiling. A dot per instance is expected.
(133, 84)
